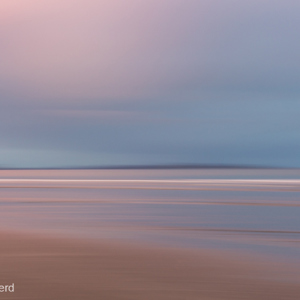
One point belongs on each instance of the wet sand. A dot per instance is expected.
(54, 268)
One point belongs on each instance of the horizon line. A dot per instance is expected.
(155, 166)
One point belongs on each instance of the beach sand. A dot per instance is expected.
(57, 268)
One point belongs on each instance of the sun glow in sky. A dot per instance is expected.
(149, 82)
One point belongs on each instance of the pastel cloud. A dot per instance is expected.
(127, 49)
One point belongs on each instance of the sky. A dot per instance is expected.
(141, 82)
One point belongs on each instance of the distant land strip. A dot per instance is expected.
(149, 167)
(231, 230)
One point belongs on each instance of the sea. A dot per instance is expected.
(256, 211)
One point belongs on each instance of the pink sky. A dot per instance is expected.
(103, 49)
(149, 81)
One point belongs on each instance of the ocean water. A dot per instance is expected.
(257, 211)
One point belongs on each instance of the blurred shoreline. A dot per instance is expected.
(150, 234)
